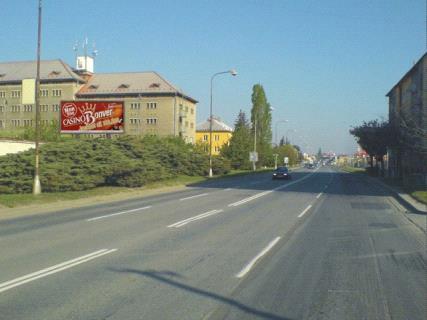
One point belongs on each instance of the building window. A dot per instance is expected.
(205, 148)
(191, 125)
(15, 94)
(191, 110)
(55, 107)
(135, 120)
(56, 92)
(1, 108)
(15, 122)
(44, 122)
(135, 105)
(44, 108)
(16, 108)
(2, 94)
(27, 123)
(217, 137)
(1, 124)
(205, 137)
(44, 93)
(151, 120)
(28, 108)
(151, 105)
(216, 149)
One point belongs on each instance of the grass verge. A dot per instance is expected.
(421, 196)
(353, 169)
(25, 199)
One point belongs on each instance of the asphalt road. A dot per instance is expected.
(325, 245)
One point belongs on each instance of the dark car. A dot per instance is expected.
(281, 173)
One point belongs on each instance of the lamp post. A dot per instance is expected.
(275, 132)
(233, 73)
(37, 186)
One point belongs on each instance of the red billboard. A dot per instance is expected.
(92, 117)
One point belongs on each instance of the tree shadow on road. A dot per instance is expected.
(165, 277)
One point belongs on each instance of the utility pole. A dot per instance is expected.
(255, 125)
(37, 187)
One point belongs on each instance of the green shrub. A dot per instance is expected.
(82, 164)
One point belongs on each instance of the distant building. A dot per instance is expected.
(152, 104)
(221, 134)
(408, 114)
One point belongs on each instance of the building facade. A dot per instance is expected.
(221, 134)
(152, 104)
(407, 160)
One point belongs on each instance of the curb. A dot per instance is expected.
(414, 204)
(415, 207)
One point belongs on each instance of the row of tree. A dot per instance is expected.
(256, 134)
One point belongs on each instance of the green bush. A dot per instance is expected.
(82, 164)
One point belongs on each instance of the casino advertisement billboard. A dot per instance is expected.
(92, 116)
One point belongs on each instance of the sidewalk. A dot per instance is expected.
(416, 211)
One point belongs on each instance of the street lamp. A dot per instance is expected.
(277, 122)
(233, 73)
(36, 184)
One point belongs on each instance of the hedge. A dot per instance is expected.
(81, 164)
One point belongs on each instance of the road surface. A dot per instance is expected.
(324, 245)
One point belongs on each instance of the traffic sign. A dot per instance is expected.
(253, 156)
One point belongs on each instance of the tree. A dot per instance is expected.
(300, 155)
(289, 151)
(319, 154)
(374, 137)
(282, 141)
(261, 115)
(237, 151)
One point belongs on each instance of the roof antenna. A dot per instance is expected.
(94, 50)
(76, 51)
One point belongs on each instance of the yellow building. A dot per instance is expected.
(152, 104)
(221, 134)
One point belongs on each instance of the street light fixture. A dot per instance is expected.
(233, 72)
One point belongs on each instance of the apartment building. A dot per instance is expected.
(221, 134)
(408, 114)
(152, 104)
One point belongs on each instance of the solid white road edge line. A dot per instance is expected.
(117, 213)
(192, 197)
(319, 195)
(54, 269)
(305, 210)
(249, 266)
(234, 204)
(191, 219)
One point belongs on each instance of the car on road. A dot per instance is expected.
(281, 173)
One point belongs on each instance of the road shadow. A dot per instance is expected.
(165, 277)
(344, 184)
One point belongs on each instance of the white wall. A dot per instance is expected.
(14, 146)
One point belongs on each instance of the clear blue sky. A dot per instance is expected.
(325, 65)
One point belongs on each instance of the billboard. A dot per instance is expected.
(92, 116)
